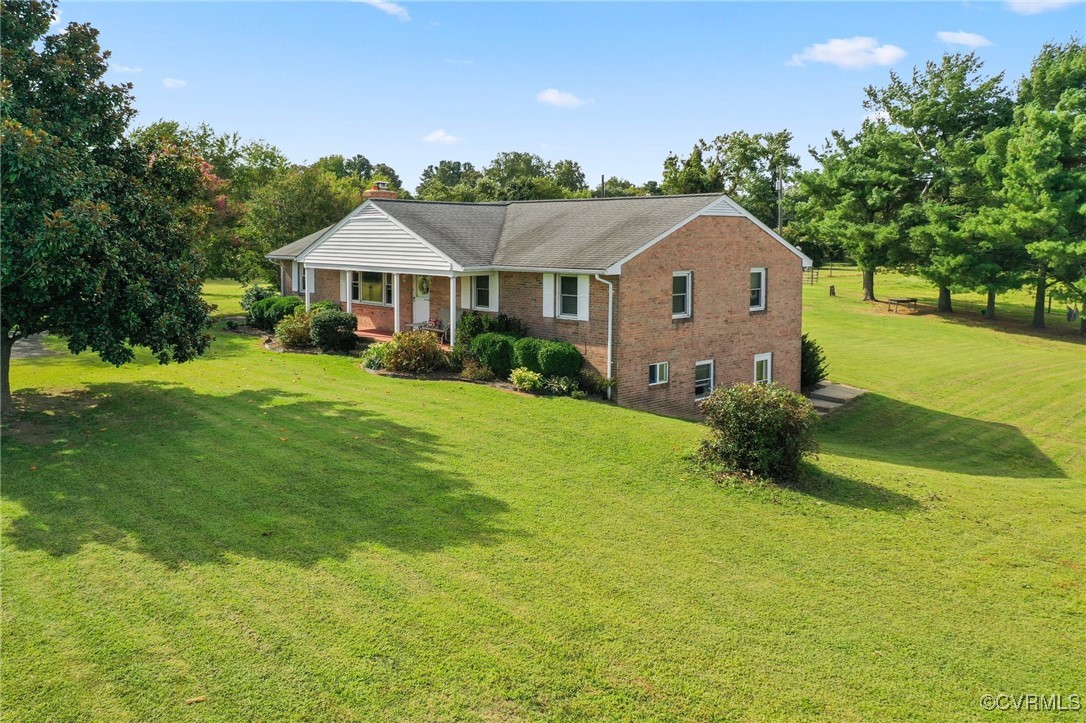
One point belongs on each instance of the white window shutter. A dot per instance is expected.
(342, 285)
(582, 298)
(548, 296)
(494, 290)
(465, 292)
(294, 277)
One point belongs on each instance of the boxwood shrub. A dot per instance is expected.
(560, 359)
(266, 313)
(472, 324)
(495, 352)
(526, 353)
(333, 330)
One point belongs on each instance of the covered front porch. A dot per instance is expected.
(386, 302)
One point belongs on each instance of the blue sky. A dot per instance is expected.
(615, 86)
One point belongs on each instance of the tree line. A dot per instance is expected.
(951, 177)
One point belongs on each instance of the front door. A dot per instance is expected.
(421, 307)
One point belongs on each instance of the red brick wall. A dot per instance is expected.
(720, 251)
(285, 271)
(521, 295)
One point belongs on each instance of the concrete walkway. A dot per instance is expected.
(828, 397)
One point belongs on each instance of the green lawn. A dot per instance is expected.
(294, 538)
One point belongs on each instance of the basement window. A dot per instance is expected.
(658, 373)
(763, 368)
(703, 379)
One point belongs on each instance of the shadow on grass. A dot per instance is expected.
(840, 490)
(224, 344)
(875, 427)
(1057, 328)
(188, 478)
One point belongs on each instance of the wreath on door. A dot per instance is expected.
(422, 285)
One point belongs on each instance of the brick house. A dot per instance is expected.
(670, 295)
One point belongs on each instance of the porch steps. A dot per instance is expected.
(828, 397)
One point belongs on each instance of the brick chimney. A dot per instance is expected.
(380, 190)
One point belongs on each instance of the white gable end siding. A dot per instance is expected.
(370, 239)
(721, 207)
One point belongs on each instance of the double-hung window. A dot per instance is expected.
(757, 289)
(301, 278)
(481, 291)
(658, 373)
(567, 297)
(371, 287)
(703, 379)
(763, 368)
(681, 295)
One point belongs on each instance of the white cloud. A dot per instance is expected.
(1035, 7)
(877, 116)
(55, 20)
(391, 8)
(560, 98)
(440, 136)
(125, 68)
(174, 83)
(851, 53)
(969, 40)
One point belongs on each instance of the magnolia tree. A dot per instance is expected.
(98, 228)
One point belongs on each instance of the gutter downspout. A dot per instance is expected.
(610, 325)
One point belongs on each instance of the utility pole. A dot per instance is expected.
(603, 187)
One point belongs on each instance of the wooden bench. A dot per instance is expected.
(909, 303)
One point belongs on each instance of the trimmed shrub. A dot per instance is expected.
(266, 313)
(293, 331)
(254, 293)
(495, 352)
(525, 380)
(324, 306)
(472, 324)
(560, 359)
(333, 330)
(813, 366)
(374, 355)
(758, 429)
(526, 353)
(414, 352)
(562, 386)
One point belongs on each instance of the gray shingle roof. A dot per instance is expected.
(584, 234)
(296, 247)
(465, 232)
(589, 233)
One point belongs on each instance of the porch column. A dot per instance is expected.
(452, 311)
(396, 302)
(310, 276)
